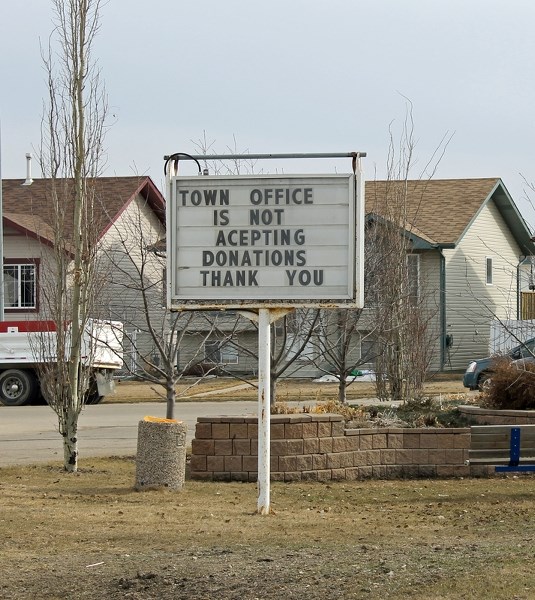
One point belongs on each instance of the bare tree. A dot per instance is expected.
(337, 339)
(135, 295)
(403, 308)
(71, 155)
(292, 340)
(237, 166)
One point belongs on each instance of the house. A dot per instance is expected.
(469, 251)
(129, 215)
(471, 247)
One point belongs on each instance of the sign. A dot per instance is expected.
(251, 241)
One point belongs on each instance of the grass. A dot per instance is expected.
(90, 535)
(227, 388)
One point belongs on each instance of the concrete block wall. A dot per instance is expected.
(310, 447)
(486, 416)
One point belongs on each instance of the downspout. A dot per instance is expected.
(442, 309)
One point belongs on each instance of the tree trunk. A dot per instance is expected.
(70, 441)
(342, 390)
(170, 398)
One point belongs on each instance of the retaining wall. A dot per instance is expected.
(485, 416)
(319, 448)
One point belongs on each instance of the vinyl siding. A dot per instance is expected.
(192, 352)
(123, 251)
(430, 298)
(470, 303)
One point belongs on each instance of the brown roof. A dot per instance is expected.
(28, 207)
(438, 210)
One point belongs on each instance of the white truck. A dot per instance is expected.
(24, 346)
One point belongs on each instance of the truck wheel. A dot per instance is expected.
(17, 387)
(92, 396)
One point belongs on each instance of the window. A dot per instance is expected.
(228, 354)
(20, 286)
(220, 353)
(368, 349)
(488, 267)
(413, 277)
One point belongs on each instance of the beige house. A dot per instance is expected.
(469, 254)
(472, 249)
(129, 216)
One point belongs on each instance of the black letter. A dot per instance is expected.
(207, 259)
(291, 276)
(252, 277)
(221, 217)
(256, 197)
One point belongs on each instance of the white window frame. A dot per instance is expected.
(413, 283)
(229, 354)
(489, 270)
(17, 283)
(220, 353)
(367, 345)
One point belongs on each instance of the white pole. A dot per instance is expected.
(264, 416)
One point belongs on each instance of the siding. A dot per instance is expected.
(123, 252)
(471, 304)
(430, 298)
(192, 351)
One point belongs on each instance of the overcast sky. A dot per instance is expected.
(295, 76)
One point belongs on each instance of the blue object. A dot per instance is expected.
(514, 455)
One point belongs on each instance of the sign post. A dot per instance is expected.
(264, 414)
(265, 245)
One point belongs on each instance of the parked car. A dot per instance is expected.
(480, 370)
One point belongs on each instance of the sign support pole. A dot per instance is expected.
(264, 318)
(264, 413)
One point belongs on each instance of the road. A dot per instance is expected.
(29, 434)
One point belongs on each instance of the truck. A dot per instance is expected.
(26, 345)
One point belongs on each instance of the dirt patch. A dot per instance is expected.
(91, 536)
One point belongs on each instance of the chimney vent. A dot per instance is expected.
(29, 179)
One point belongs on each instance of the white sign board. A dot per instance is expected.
(251, 241)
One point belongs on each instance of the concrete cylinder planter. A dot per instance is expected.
(161, 454)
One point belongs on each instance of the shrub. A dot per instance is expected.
(512, 385)
(201, 369)
(350, 413)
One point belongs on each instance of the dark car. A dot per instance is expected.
(479, 371)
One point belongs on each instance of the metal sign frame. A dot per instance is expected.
(321, 245)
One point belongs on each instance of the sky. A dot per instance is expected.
(295, 76)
